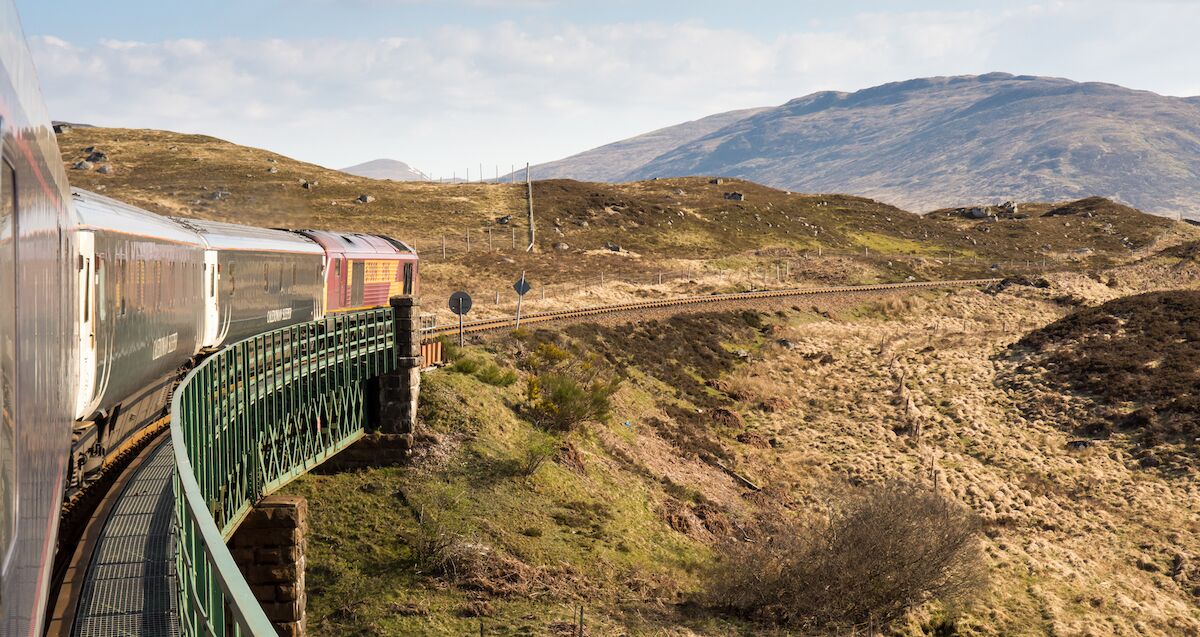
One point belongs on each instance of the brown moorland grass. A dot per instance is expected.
(1136, 357)
(665, 225)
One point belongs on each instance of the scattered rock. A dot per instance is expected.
(609, 245)
(97, 156)
(786, 344)
(561, 246)
(105, 169)
(83, 165)
(504, 220)
(219, 194)
(364, 198)
(1080, 445)
(307, 185)
(272, 170)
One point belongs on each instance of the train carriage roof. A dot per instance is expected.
(231, 236)
(103, 214)
(361, 245)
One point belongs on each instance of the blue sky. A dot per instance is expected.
(450, 84)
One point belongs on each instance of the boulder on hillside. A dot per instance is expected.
(364, 198)
(82, 165)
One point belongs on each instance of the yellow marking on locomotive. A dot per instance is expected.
(379, 272)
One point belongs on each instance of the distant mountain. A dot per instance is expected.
(386, 169)
(938, 142)
(614, 161)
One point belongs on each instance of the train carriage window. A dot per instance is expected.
(408, 278)
(101, 299)
(86, 281)
(121, 285)
(139, 279)
(8, 359)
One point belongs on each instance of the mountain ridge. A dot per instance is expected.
(929, 143)
(384, 168)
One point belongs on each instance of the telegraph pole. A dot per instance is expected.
(529, 189)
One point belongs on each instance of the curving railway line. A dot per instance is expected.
(487, 325)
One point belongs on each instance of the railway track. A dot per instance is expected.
(487, 325)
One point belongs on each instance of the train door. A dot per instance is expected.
(88, 273)
(357, 282)
(8, 365)
(408, 278)
(212, 315)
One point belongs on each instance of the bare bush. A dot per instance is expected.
(878, 554)
(534, 453)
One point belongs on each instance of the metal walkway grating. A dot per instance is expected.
(130, 586)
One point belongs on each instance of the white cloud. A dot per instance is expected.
(507, 92)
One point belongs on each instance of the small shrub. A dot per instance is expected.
(433, 543)
(546, 357)
(877, 556)
(450, 348)
(485, 371)
(466, 365)
(560, 402)
(495, 375)
(537, 450)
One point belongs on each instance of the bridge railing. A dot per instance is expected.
(245, 422)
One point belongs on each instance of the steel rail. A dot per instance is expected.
(485, 325)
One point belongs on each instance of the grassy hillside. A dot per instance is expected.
(629, 516)
(681, 226)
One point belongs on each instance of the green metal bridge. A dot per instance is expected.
(244, 423)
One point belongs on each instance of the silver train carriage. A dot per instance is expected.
(37, 339)
(141, 318)
(256, 280)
